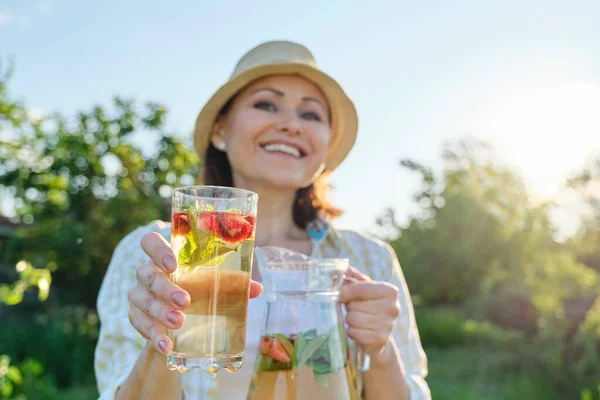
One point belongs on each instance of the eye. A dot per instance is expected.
(265, 105)
(311, 116)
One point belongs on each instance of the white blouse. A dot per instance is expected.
(119, 344)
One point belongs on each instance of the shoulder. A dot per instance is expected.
(367, 242)
(129, 249)
(132, 239)
(120, 273)
(369, 253)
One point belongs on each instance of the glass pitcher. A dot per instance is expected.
(304, 352)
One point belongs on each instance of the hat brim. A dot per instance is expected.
(344, 119)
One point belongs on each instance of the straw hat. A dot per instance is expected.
(277, 58)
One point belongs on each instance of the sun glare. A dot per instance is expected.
(545, 130)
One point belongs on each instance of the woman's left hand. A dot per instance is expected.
(372, 308)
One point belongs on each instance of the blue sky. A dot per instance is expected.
(524, 76)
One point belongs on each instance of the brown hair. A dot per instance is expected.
(311, 202)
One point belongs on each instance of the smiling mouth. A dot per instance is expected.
(283, 148)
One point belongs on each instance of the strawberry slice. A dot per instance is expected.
(180, 224)
(278, 353)
(229, 227)
(249, 218)
(265, 346)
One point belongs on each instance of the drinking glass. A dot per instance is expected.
(212, 237)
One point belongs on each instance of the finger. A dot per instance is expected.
(369, 339)
(355, 274)
(150, 329)
(141, 298)
(159, 251)
(157, 282)
(359, 319)
(384, 306)
(368, 291)
(255, 289)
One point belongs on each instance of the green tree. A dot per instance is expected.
(481, 245)
(81, 184)
(16, 380)
(467, 215)
(585, 242)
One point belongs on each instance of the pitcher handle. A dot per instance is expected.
(363, 360)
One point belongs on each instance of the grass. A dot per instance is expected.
(79, 393)
(474, 373)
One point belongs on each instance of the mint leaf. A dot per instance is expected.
(321, 352)
(265, 363)
(321, 367)
(322, 379)
(186, 253)
(201, 247)
(299, 346)
(213, 252)
(310, 349)
(310, 334)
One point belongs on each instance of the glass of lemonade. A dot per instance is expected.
(212, 237)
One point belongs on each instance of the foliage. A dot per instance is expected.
(481, 250)
(80, 185)
(24, 380)
(442, 327)
(28, 382)
(12, 294)
(585, 243)
(475, 223)
(69, 333)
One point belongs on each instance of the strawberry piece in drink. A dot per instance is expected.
(229, 227)
(181, 224)
(279, 353)
(264, 348)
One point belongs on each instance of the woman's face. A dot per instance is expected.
(276, 133)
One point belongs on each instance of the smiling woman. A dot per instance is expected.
(280, 131)
(278, 127)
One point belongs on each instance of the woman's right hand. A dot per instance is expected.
(155, 303)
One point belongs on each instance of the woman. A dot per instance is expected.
(277, 127)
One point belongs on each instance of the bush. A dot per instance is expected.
(447, 327)
(581, 356)
(62, 342)
(25, 381)
(440, 327)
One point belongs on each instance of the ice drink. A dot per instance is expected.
(214, 251)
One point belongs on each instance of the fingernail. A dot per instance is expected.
(179, 298)
(173, 317)
(169, 263)
(162, 345)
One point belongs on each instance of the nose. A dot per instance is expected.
(290, 125)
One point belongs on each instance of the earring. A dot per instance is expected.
(221, 146)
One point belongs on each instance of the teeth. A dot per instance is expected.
(283, 148)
